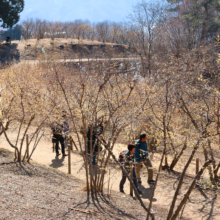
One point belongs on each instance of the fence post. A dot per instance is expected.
(71, 143)
(131, 174)
(69, 159)
(27, 146)
(197, 165)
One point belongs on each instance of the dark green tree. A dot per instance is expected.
(9, 12)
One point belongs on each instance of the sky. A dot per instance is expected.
(70, 10)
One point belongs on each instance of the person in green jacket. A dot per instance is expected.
(141, 156)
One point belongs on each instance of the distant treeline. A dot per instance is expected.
(105, 31)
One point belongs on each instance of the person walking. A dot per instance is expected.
(126, 158)
(57, 138)
(141, 156)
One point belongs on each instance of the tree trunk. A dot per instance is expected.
(160, 167)
(186, 197)
(176, 159)
(181, 181)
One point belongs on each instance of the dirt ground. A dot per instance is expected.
(203, 204)
(35, 191)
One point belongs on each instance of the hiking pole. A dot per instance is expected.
(131, 173)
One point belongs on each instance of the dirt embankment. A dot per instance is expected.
(62, 49)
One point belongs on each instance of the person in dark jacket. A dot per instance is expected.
(129, 157)
(57, 138)
(141, 156)
(92, 141)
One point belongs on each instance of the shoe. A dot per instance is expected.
(64, 155)
(57, 154)
(139, 191)
(139, 181)
(151, 181)
(122, 191)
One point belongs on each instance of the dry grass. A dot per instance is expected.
(46, 42)
(72, 49)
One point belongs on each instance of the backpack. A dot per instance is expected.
(121, 157)
(135, 141)
(57, 130)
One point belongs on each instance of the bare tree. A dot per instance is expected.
(28, 27)
(102, 29)
(29, 107)
(148, 17)
(40, 29)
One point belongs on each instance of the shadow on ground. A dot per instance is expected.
(57, 162)
(147, 192)
(9, 53)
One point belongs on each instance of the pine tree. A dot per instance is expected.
(199, 15)
(9, 12)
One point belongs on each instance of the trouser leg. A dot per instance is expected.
(62, 146)
(57, 147)
(88, 157)
(94, 159)
(66, 142)
(135, 178)
(123, 180)
(149, 166)
(138, 169)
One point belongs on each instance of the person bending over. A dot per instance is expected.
(128, 156)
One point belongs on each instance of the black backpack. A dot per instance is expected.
(121, 158)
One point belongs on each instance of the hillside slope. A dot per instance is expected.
(62, 48)
(35, 191)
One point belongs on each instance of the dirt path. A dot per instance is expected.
(201, 206)
(34, 62)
